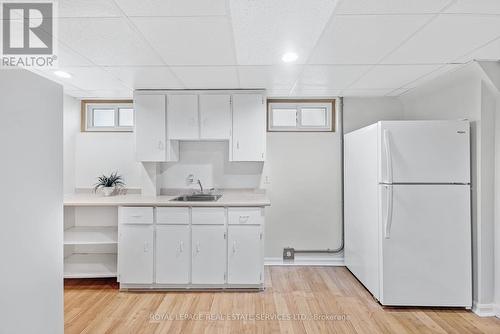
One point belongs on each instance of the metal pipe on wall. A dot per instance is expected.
(288, 253)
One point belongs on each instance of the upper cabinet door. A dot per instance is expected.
(249, 127)
(182, 117)
(150, 127)
(215, 116)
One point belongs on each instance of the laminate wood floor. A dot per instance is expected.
(296, 300)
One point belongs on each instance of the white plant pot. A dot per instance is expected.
(107, 191)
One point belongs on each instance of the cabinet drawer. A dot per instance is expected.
(135, 215)
(172, 216)
(208, 216)
(245, 216)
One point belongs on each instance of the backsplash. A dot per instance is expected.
(208, 161)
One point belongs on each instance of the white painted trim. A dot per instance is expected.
(483, 310)
(497, 310)
(306, 261)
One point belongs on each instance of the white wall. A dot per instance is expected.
(104, 153)
(457, 95)
(31, 146)
(71, 118)
(208, 161)
(360, 112)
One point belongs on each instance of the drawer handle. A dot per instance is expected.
(244, 219)
(181, 246)
(146, 247)
(136, 216)
(197, 247)
(234, 247)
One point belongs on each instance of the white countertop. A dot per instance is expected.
(229, 198)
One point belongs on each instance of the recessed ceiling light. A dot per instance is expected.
(289, 57)
(62, 74)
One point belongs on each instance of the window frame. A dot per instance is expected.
(88, 106)
(300, 104)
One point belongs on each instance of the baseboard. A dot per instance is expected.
(306, 261)
(484, 310)
(497, 310)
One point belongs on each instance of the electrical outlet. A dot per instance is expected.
(267, 179)
(288, 253)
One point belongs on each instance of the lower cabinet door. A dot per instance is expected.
(172, 254)
(244, 254)
(209, 254)
(135, 254)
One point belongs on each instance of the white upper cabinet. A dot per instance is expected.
(215, 116)
(150, 127)
(249, 128)
(182, 117)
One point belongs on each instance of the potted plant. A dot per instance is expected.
(108, 184)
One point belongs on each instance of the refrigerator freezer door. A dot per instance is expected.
(426, 251)
(424, 152)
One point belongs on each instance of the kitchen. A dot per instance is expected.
(227, 159)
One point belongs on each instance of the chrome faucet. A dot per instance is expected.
(201, 187)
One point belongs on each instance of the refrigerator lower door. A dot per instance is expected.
(425, 245)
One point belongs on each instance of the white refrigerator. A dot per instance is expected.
(407, 212)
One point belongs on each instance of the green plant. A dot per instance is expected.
(114, 180)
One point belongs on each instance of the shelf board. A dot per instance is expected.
(90, 235)
(90, 265)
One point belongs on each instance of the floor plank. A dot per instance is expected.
(296, 300)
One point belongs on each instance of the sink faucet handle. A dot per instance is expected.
(190, 178)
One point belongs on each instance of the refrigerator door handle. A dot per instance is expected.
(388, 215)
(388, 155)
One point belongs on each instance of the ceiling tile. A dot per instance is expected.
(68, 57)
(189, 40)
(491, 51)
(146, 77)
(270, 77)
(398, 92)
(475, 7)
(88, 78)
(392, 76)
(390, 6)
(320, 92)
(173, 7)
(330, 77)
(364, 39)
(432, 75)
(87, 8)
(265, 30)
(199, 77)
(365, 92)
(446, 38)
(106, 41)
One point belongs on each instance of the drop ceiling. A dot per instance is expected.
(344, 48)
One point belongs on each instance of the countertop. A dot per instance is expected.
(229, 198)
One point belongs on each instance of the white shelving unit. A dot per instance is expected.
(90, 265)
(90, 242)
(91, 235)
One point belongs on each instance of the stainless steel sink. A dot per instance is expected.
(198, 198)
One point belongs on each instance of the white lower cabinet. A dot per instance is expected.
(209, 254)
(135, 254)
(183, 248)
(244, 254)
(173, 256)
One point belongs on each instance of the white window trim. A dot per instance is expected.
(299, 106)
(89, 121)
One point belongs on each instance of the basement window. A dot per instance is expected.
(301, 115)
(107, 116)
